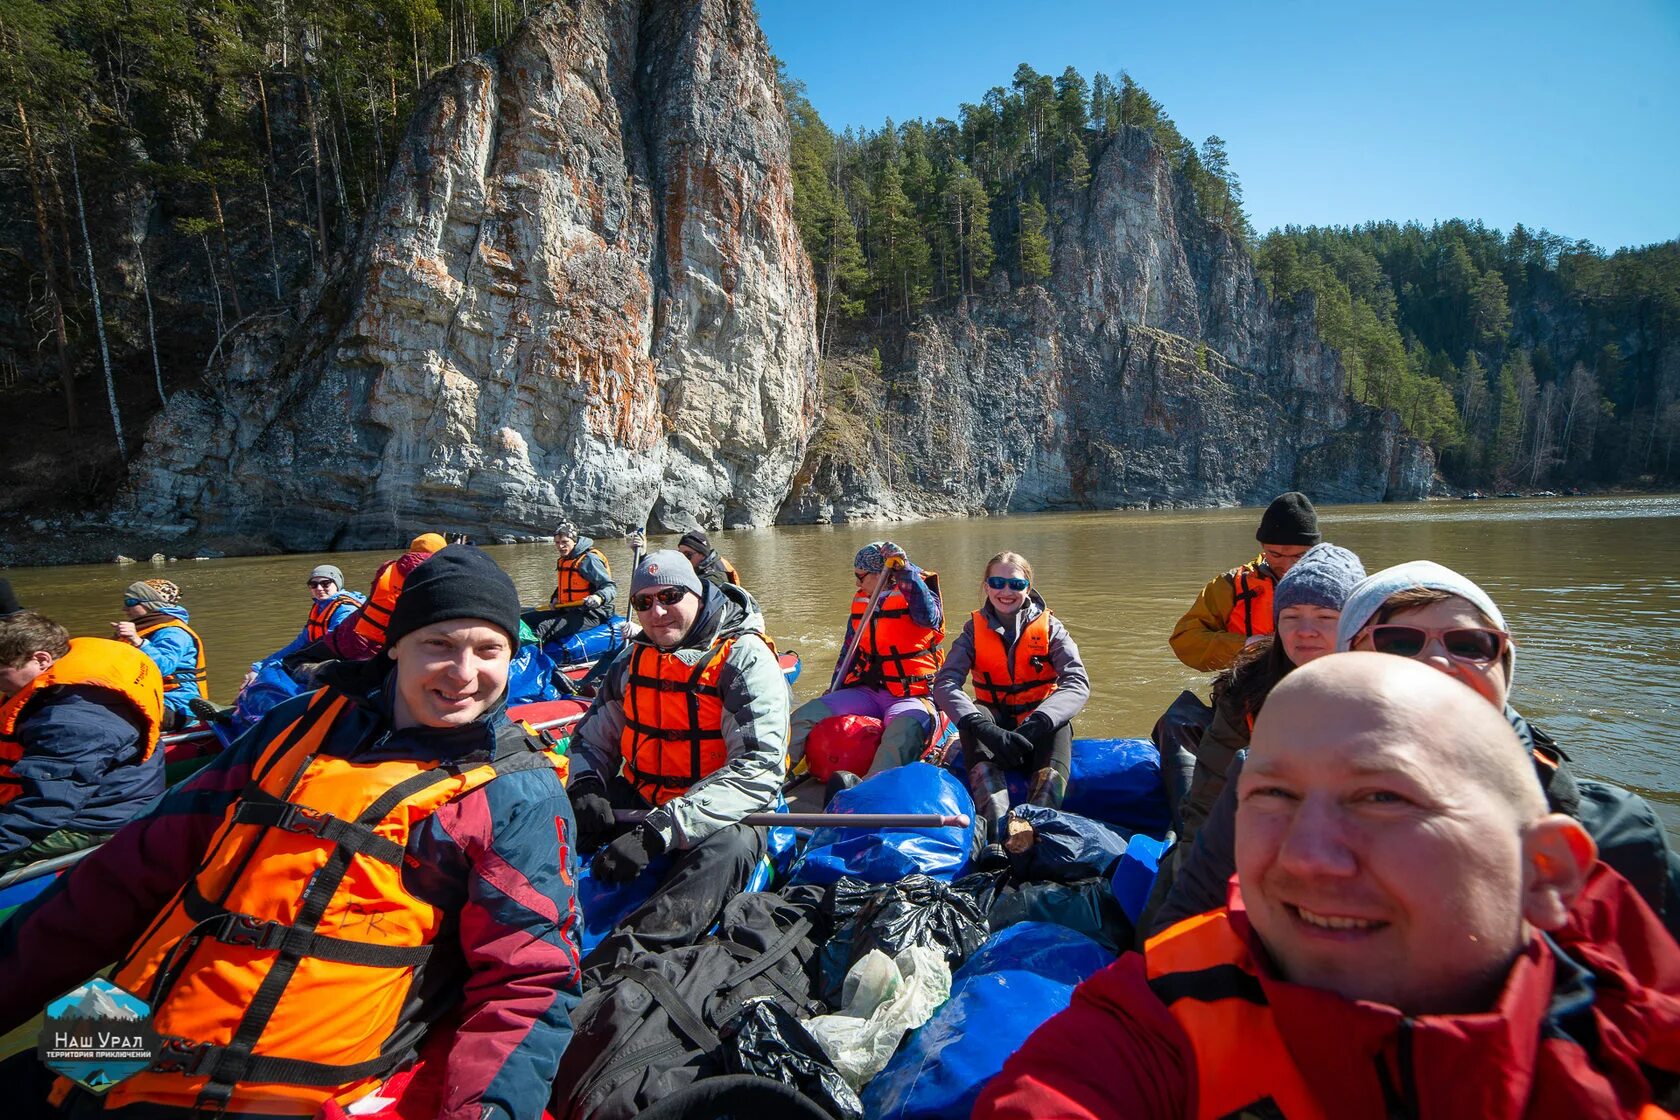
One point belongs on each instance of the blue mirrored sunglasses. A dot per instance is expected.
(131, 602)
(1014, 583)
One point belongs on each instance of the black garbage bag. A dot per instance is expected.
(1176, 735)
(1067, 847)
(891, 917)
(769, 1042)
(1088, 906)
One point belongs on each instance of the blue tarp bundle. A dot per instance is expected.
(531, 676)
(1066, 846)
(1006, 990)
(588, 645)
(273, 686)
(1118, 781)
(1134, 875)
(888, 855)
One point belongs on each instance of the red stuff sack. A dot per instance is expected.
(842, 743)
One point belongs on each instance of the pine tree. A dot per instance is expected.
(971, 212)
(1035, 242)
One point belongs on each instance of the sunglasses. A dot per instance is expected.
(1013, 583)
(669, 597)
(131, 602)
(1472, 644)
(320, 583)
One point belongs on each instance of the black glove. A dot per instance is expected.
(991, 742)
(1037, 728)
(1019, 751)
(626, 857)
(593, 811)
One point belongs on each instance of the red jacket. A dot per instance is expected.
(1117, 1051)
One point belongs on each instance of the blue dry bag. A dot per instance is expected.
(1005, 991)
(888, 855)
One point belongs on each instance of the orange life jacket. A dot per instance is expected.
(198, 675)
(381, 601)
(1013, 682)
(321, 612)
(894, 652)
(673, 719)
(570, 586)
(279, 975)
(1203, 973)
(101, 663)
(1251, 614)
(729, 571)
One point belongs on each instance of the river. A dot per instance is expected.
(1590, 588)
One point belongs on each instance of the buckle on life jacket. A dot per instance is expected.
(179, 1055)
(243, 929)
(301, 818)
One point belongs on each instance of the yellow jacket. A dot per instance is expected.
(1203, 638)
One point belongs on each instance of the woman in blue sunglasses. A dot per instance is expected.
(1028, 685)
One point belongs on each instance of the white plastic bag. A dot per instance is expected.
(882, 1000)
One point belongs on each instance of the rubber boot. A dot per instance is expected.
(837, 781)
(1049, 786)
(990, 790)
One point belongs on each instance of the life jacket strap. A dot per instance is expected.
(259, 807)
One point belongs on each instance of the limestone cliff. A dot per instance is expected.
(1151, 368)
(581, 293)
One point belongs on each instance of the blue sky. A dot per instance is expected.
(1557, 115)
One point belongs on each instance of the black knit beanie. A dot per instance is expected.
(460, 581)
(1290, 519)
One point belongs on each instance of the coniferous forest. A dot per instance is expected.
(173, 171)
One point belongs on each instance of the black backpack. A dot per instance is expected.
(653, 1028)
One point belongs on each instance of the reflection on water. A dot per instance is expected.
(1590, 588)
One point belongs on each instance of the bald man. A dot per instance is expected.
(1409, 932)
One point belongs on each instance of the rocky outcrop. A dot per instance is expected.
(581, 294)
(1152, 368)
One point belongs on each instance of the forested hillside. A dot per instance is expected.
(1528, 359)
(1524, 359)
(176, 172)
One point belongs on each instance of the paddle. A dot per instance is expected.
(830, 820)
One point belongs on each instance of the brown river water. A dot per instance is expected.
(1590, 588)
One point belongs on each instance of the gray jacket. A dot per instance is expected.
(755, 722)
(1073, 687)
(593, 570)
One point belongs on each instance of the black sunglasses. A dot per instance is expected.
(669, 597)
(1014, 583)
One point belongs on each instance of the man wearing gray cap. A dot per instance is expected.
(690, 726)
(331, 606)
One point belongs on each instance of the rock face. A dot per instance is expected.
(1150, 369)
(581, 294)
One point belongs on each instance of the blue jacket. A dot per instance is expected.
(500, 860)
(79, 768)
(341, 612)
(175, 652)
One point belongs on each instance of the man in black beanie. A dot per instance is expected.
(1236, 607)
(384, 854)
